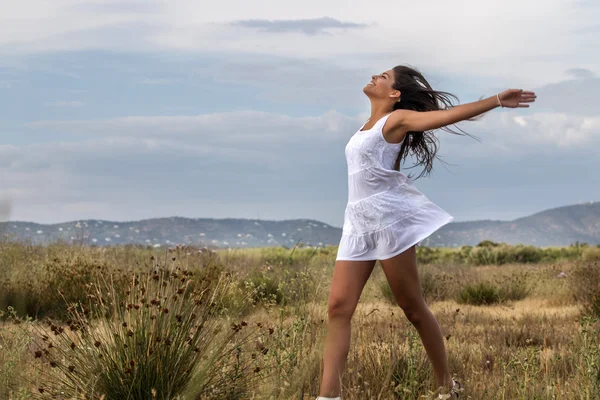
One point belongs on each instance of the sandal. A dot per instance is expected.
(454, 392)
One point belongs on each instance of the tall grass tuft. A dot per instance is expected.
(146, 342)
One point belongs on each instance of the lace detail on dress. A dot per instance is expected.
(368, 149)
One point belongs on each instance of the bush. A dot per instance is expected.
(585, 286)
(149, 341)
(591, 254)
(515, 287)
(386, 292)
(479, 294)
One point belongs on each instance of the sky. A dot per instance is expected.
(133, 109)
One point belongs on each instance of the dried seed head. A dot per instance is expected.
(97, 343)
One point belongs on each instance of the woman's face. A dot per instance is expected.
(381, 86)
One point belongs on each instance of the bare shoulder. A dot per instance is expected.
(394, 130)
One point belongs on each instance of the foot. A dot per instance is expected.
(454, 392)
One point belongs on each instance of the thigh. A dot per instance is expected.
(402, 275)
(349, 279)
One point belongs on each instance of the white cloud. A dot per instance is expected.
(250, 164)
(502, 40)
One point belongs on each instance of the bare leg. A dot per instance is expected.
(402, 275)
(349, 278)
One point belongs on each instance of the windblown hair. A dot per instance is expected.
(417, 94)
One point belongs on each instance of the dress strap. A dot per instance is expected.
(379, 124)
(382, 121)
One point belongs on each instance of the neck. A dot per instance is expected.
(380, 108)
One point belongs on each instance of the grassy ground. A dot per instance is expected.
(513, 331)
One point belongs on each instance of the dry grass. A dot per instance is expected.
(544, 346)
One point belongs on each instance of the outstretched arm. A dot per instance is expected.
(402, 121)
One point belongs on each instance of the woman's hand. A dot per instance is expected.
(516, 98)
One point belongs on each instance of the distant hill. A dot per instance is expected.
(555, 227)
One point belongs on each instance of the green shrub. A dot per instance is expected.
(585, 286)
(386, 291)
(591, 254)
(479, 294)
(515, 287)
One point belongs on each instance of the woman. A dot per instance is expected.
(386, 216)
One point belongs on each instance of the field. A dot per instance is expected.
(141, 323)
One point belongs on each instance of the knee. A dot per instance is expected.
(340, 308)
(415, 313)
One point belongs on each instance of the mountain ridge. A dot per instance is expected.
(559, 226)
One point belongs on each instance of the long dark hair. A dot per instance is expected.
(417, 94)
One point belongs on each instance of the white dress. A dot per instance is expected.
(385, 214)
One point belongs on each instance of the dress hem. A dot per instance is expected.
(420, 238)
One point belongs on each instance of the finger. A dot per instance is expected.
(523, 105)
(527, 100)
